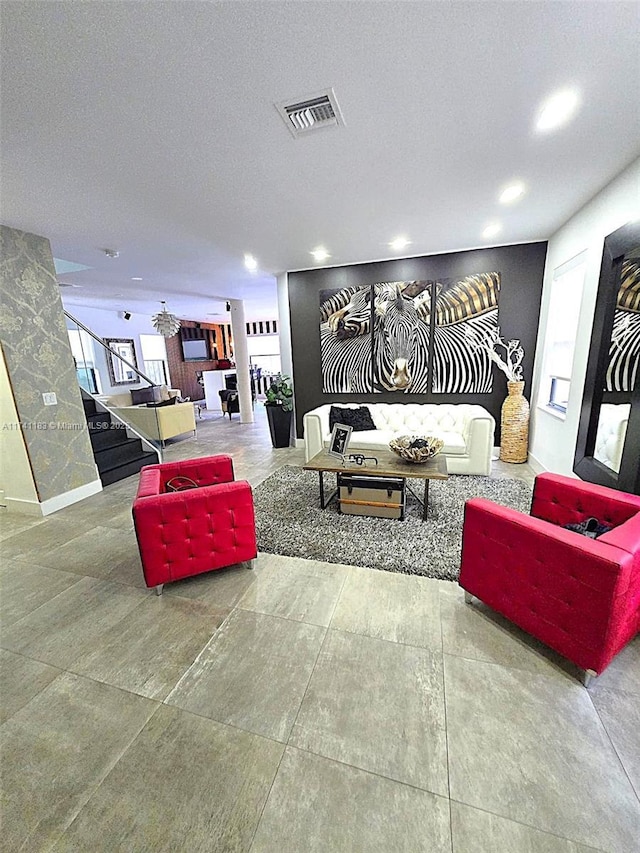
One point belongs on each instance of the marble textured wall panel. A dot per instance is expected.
(38, 356)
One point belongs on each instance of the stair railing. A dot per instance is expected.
(96, 363)
(151, 445)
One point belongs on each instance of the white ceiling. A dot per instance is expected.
(150, 128)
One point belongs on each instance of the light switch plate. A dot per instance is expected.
(49, 398)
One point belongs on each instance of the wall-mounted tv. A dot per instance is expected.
(195, 351)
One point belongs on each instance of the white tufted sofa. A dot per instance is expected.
(612, 430)
(467, 431)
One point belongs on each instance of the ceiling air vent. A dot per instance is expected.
(313, 113)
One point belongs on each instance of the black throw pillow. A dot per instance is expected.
(358, 419)
(170, 402)
(591, 527)
(151, 394)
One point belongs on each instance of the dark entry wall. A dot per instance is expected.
(521, 268)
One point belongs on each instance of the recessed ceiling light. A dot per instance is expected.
(557, 109)
(399, 243)
(320, 253)
(492, 229)
(250, 262)
(511, 193)
(136, 278)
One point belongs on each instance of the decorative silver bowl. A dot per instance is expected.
(416, 448)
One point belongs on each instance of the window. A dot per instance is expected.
(84, 358)
(560, 338)
(559, 393)
(156, 370)
(154, 358)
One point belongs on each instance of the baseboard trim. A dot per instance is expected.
(22, 507)
(536, 465)
(299, 443)
(70, 497)
(53, 504)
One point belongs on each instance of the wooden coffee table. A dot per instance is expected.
(389, 465)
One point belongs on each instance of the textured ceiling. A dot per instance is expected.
(150, 128)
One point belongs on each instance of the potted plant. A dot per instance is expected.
(279, 405)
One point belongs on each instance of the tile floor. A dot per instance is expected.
(299, 707)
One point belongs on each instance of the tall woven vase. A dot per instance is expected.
(514, 425)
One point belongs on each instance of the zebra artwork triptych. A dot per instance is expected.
(409, 336)
(623, 368)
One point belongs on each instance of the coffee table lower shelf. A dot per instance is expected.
(391, 506)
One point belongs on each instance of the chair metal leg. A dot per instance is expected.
(468, 598)
(159, 589)
(251, 564)
(587, 677)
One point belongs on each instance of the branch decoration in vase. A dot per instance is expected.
(514, 420)
(510, 363)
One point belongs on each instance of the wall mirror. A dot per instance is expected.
(608, 444)
(121, 361)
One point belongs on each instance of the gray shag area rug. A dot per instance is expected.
(290, 522)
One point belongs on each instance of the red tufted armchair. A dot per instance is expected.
(578, 595)
(184, 533)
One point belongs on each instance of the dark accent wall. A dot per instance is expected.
(521, 268)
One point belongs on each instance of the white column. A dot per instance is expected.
(286, 352)
(284, 324)
(241, 358)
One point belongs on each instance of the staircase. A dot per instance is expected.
(117, 456)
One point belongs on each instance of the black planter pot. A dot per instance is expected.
(279, 425)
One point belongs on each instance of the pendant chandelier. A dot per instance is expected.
(165, 323)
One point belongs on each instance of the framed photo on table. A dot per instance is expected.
(340, 436)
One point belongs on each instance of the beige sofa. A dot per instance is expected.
(158, 423)
(467, 431)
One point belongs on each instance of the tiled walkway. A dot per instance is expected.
(298, 708)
